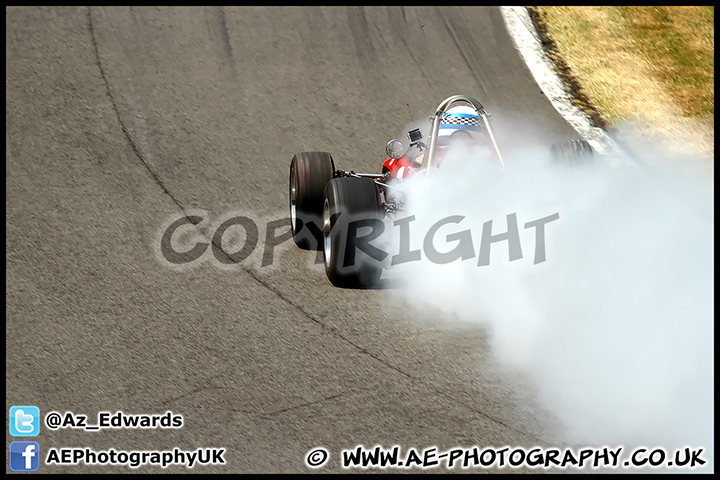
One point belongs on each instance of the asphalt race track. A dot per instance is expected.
(121, 120)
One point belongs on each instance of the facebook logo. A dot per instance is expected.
(24, 456)
(24, 421)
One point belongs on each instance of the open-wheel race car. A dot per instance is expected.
(328, 206)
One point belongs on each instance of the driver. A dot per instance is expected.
(459, 126)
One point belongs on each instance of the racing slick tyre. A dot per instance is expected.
(351, 204)
(572, 152)
(309, 173)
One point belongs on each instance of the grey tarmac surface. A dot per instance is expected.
(121, 120)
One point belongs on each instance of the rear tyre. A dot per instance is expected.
(351, 202)
(572, 152)
(309, 173)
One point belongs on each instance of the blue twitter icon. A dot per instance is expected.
(24, 421)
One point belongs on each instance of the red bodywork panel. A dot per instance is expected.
(399, 167)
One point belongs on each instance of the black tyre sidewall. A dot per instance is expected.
(313, 171)
(351, 199)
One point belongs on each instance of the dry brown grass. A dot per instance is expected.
(648, 67)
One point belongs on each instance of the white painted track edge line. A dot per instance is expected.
(522, 31)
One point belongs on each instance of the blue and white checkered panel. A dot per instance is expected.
(461, 119)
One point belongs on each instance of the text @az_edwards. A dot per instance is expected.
(117, 420)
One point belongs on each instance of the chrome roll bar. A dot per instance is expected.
(437, 118)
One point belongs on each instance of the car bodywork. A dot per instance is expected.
(399, 167)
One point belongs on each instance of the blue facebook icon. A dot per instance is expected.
(24, 456)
